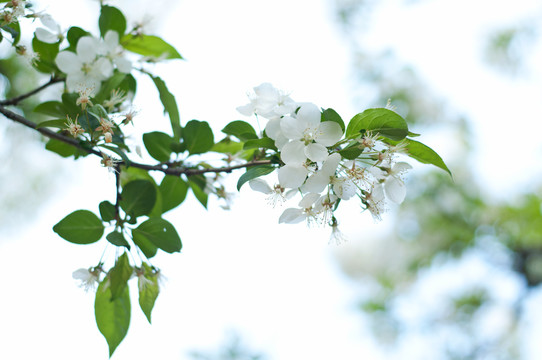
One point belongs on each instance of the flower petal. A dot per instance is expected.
(395, 189)
(316, 152)
(292, 216)
(68, 62)
(292, 176)
(87, 47)
(46, 36)
(308, 200)
(329, 133)
(272, 128)
(293, 153)
(310, 115)
(260, 185)
(316, 183)
(124, 65)
(246, 110)
(292, 128)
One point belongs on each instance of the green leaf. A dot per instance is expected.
(227, 146)
(138, 197)
(351, 152)
(119, 276)
(48, 52)
(111, 18)
(198, 183)
(173, 190)
(253, 173)
(74, 34)
(425, 154)
(109, 85)
(158, 144)
(117, 238)
(149, 45)
(107, 211)
(57, 123)
(160, 233)
(80, 227)
(148, 292)
(69, 100)
(98, 111)
(241, 130)
(383, 121)
(61, 148)
(112, 317)
(170, 105)
(144, 244)
(198, 137)
(14, 29)
(263, 143)
(332, 115)
(52, 108)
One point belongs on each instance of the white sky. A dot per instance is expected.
(277, 285)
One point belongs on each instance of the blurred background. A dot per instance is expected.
(452, 273)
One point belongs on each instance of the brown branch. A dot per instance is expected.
(18, 99)
(168, 170)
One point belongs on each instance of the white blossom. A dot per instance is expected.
(268, 102)
(52, 32)
(394, 187)
(88, 278)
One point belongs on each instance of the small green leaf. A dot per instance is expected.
(173, 190)
(198, 183)
(111, 18)
(107, 211)
(112, 317)
(263, 143)
(383, 121)
(170, 105)
(253, 173)
(119, 276)
(227, 146)
(241, 130)
(60, 147)
(98, 111)
(160, 233)
(158, 144)
(52, 108)
(117, 238)
(144, 244)
(425, 154)
(198, 137)
(138, 197)
(14, 29)
(148, 291)
(332, 115)
(149, 45)
(48, 52)
(80, 227)
(351, 152)
(57, 123)
(69, 100)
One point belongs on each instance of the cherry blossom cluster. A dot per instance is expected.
(313, 166)
(93, 62)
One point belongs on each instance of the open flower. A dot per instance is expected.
(88, 278)
(268, 102)
(84, 69)
(308, 134)
(394, 187)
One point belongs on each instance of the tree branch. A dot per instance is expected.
(18, 99)
(168, 170)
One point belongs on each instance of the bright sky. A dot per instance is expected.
(278, 286)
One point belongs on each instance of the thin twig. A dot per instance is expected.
(175, 170)
(18, 99)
